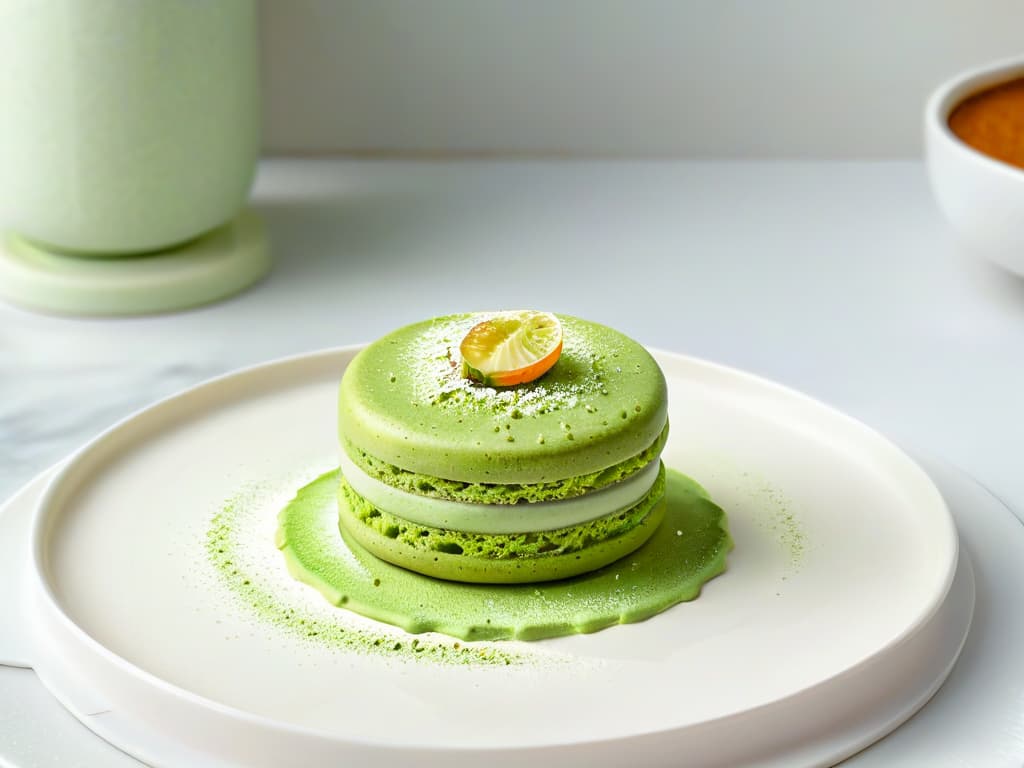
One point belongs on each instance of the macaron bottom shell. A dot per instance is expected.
(506, 558)
(689, 548)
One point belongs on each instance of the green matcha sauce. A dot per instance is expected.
(689, 548)
(227, 549)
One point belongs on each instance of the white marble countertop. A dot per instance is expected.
(838, 279)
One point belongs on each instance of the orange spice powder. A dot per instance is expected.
(992, 122)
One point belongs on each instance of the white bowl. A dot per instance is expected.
(982, 198)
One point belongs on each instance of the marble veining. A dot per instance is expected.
(47, 414)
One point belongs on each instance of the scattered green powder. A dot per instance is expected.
(779, 518)
(688, 549)
(223, 539)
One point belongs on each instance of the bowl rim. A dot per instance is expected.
(952, 92)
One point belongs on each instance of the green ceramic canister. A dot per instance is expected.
(126, 126)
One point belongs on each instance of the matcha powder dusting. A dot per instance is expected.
(251, 584)
(445, 622)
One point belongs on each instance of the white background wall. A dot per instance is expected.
(734, 78)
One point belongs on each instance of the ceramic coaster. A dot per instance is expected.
(211, 267)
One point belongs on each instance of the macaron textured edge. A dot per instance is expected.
(503, 493)
(501, 558)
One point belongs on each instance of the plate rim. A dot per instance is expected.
(64, 474)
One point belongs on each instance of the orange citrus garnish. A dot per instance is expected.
(511, 348)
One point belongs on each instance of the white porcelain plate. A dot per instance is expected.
(838, 617)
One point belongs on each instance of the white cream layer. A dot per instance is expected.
(500, 518)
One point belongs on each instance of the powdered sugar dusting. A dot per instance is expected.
(435, 367)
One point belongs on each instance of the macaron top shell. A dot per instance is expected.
(404, 400)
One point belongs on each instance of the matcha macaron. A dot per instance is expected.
(451, 471)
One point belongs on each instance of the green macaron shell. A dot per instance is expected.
(503, 493)
(404, 402)
(501, 558)
(688, 548)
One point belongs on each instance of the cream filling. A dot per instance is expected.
(500, 518)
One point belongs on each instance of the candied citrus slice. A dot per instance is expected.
(511, 347)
